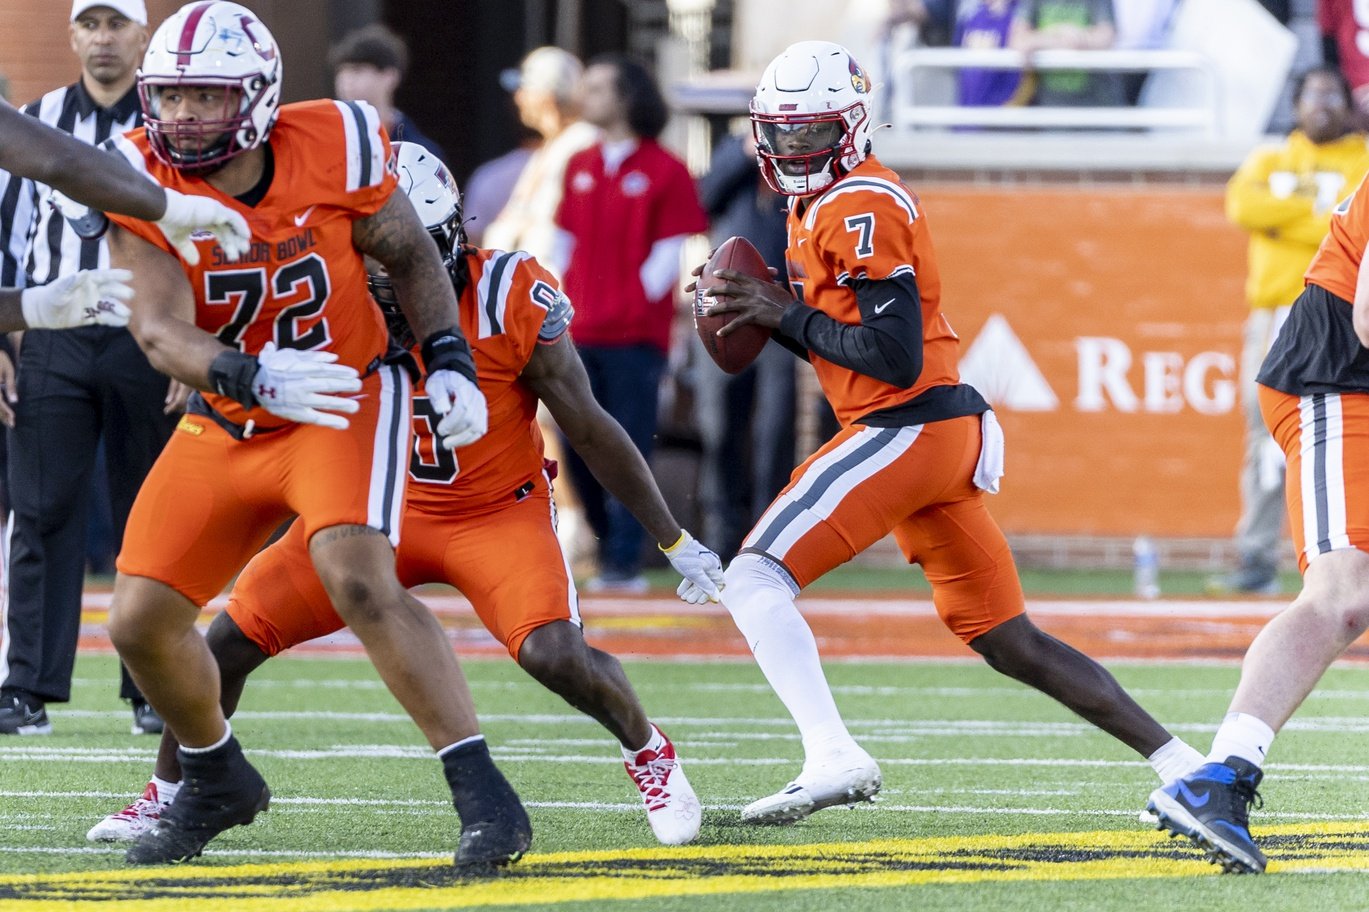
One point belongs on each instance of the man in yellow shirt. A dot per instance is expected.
(1283, 196)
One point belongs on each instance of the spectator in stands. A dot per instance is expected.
(368, 65)
(1345, 44)
(986, 24)
(626, 208)
(544, 89)
(1041, 25)
(489, 187)
(1283, 196)
(746, 420)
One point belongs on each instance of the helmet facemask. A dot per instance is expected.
(802, 153)
(199, 146)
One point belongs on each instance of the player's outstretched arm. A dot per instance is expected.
(557, 376)
(297, 385)
(92, 177)
(30, 148)
(396, 237)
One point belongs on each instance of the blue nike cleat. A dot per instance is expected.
(1211, 806)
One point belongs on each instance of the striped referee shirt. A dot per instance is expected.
(36, 244)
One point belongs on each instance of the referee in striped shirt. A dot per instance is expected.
(76, 388)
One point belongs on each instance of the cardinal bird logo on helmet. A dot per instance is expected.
(859, 81)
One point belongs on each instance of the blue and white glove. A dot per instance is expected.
(304, 386)
(701, 568)
(91, 297)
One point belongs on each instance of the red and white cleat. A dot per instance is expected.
(133, 821)
(672, 808)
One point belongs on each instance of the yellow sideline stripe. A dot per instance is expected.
(637, 874)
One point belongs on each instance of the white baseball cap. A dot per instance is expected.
(133, 10)
(547, 69)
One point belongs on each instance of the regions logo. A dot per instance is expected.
(859, 81)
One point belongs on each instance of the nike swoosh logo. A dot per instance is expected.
(880, 308)
(802, 241)
(303, 217)
(1193, 800)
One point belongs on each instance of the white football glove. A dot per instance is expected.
(701, 568)
(91, 297)
(299, 385)
(465, 416)
(187, 214)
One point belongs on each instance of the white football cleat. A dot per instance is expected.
(848, 779)
(133, 821)
(672, 808)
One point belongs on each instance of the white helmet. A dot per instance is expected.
(432, 190)
(811, 117)
(211, 44)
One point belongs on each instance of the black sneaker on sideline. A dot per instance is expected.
(22, 713)
(145, 719)
(219, 790)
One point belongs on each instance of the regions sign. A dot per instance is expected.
(1105, 326)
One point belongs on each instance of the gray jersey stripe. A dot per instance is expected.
(822, 484)
(1321, 504)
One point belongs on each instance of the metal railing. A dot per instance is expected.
(909, 111)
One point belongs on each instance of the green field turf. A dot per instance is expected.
(995, 798)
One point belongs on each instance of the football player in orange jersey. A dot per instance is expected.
(468, 510)
(1314, 397)
(917, 449)
(301, 412)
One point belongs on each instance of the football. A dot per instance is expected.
(735, 351)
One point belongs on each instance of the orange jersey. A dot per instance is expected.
(868, 225)
(1336, 265)
(303, 284)
(504, 309)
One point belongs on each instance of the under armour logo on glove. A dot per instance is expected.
(303, 386)
(91, 297)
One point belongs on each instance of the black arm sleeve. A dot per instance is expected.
(887, 342)
(789, 344)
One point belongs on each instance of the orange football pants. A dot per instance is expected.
(1325, 439)
(916, 482)
(211, 501)
(507, 561)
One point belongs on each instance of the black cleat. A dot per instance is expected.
(145, 719)
(487, 845)
(218, 791)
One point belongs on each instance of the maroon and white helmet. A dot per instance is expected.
(219, 44)
(812, 117)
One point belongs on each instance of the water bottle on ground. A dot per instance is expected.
(1146, 569)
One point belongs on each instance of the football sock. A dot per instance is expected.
(1241, 735)
(1174, 760)
(760, 597)
(166, 791)
(479, 790)
(655, 743)
(195, 751)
